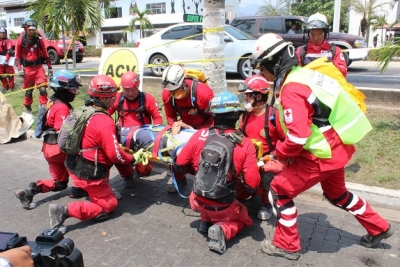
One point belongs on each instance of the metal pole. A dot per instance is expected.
(336, 16)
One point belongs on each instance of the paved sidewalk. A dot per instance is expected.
(153, 228)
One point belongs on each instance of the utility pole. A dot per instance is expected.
(336, 16)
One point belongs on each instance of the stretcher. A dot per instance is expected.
(159, 144)
(157, 141)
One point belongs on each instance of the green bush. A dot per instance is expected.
(93, 51)
(373, 55)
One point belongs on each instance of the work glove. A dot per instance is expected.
(274, 166)
(50, 73)
(21, 73)
(138, 156)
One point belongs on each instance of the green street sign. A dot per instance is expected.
(192, 18)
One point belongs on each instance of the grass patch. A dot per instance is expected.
(375, 163)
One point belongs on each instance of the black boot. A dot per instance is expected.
(59, 186)
(26, 195)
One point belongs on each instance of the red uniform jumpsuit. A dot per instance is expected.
(128, 118)
(99, 132)
(235, 216)
(306, 170)
(30, 55)
(323, 50)
(252, 127)
(5, 50)
(187, 112)
(55, 158)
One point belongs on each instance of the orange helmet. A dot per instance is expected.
(255, 83)
(102, 86)
(130, 79)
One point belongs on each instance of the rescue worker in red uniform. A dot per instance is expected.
(318, 46)
(183, 102)
(180, 101)
(134, 108)
(6, 51)
(65, 84)
(320, 132)
(256, 90)
(29, 53)
(222, 218)
(100, 133)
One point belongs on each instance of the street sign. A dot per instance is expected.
(192, 18)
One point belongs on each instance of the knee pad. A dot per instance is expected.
(346, 197)
(43, 91)
(266, 179)
(59, 186)
(276, 209)
(28, 93)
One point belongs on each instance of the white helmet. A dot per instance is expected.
(268, 45)
(317, 21)
(172, 77)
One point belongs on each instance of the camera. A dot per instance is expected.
(50, 248)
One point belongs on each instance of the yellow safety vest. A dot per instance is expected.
(346, 117)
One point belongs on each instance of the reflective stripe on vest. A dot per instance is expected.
(349, 121)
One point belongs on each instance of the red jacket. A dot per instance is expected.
(298, 118)
(128, 117)
(56, 115)
(203, 96)
(255, 129)
(5, 48)
(31, 52)
(100, 131)
(316, 51)
(244, 156)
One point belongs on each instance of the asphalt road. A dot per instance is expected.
(362, 74)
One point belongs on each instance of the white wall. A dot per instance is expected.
(355, 18)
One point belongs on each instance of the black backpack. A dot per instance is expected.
(216, 166)
(304, 51)
(141, 110)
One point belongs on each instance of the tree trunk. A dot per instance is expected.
(213, 44)
(73, 31)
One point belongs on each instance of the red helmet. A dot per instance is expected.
(130, 79)
(102, 85)
(255, 83)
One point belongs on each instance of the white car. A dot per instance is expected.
(167, 46)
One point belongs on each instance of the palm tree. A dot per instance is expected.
(67, 16)
(282, 7)
(213, 45)
(369, 9)
(144, 22)
(379, 22)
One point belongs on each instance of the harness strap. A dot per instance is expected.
(129, 139)
(157, 142)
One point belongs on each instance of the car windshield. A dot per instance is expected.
(238, 34)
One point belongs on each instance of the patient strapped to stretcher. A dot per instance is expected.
(160, 141)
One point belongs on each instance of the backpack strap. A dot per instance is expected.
(119, 108)
(157, 143)
(333, 50)
(194, 99)
(268, 118)
(303, 51)
(246, 120)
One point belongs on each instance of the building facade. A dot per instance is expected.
(114, 29)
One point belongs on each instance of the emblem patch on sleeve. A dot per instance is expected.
(288, 115)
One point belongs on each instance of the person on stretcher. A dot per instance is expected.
(167, 139)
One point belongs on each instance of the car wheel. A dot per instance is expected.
(160, 61)
(54, 58)
(245, 69)
(79, 59)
